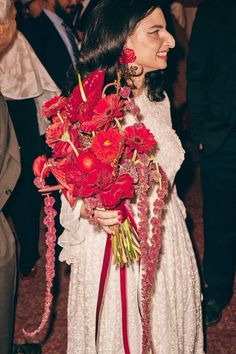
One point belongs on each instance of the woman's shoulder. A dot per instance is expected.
(160, 109)
(144, 100)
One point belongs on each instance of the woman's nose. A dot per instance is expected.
(168, 39)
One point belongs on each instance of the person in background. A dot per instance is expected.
(26, 11)
(32, 8)
(25, 85)
(88, 6)
(178, 11)
(211, 93)
(51, 34)
(9, 174)
(190, 8)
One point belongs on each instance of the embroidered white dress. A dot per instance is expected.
(176, 302)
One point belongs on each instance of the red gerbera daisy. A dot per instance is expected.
(107, 109)
(52, 106)
(107, 145)
(139, 138)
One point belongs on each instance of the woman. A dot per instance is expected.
(176, 306)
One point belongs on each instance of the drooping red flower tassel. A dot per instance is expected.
(150, 248)
(50, 262)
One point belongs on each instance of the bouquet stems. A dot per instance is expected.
(125, 247)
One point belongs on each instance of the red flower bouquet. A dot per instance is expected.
(95, 158)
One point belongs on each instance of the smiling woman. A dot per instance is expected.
(131, 307)
(152, 35)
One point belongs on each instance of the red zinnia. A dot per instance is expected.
(107, 145)
(86, 162)
(139, 138)
(107, 109)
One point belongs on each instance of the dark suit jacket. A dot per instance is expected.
(83, 20)
(211, 74)
(49, 47)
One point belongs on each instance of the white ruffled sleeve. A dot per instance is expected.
(71, 238)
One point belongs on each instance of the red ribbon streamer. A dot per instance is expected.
(103, 276)
(124, 308)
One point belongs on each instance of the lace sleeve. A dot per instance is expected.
(71, 238)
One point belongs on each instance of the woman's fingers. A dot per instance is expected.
(108, 222)
(107, 218)
(108, 230)
(106, 214)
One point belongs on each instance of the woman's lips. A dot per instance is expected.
(162, 55)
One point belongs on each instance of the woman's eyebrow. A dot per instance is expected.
(156, 26)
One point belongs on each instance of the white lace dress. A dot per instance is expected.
(176, 303)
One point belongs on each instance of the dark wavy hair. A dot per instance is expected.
(108, 27)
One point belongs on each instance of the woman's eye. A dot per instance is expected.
(156, 32)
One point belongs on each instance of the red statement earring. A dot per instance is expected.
(127, 56)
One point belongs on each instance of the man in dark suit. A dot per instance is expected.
(88, 6)
(211, 92)
(54, 41)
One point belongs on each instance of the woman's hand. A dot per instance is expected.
(105, 218)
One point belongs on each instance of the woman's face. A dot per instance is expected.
(151, 42)
(8, 29)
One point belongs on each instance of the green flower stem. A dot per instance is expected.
(66, 137)
(134, 155)
(73, 147)
(118, 125)
(84, 98)
(60, 117)
(125, 247)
